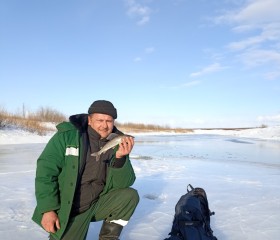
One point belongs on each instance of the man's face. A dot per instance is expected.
(101, 123)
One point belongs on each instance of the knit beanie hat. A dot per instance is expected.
(104, 107)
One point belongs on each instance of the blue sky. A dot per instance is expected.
(179, 63)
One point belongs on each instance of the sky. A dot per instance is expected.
(241, 179)
(178, 63)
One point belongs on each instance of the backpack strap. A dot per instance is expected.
(191, 188)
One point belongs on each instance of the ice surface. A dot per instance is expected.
(240, 175)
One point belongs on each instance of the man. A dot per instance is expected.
(73, 189)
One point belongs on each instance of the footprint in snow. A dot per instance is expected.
(150, 196)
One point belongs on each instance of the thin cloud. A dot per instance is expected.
(149, 50)
(215, 67)
(272, 75)
(253, 58)
(271, 118)
(243, 44)
(269, 33)
(258, 57)
(253, 12)
(140, 12)
(191, 84)
(261, 19)
(137, 59)
(184, 85)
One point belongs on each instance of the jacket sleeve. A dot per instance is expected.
(49, 165)
(120, 177)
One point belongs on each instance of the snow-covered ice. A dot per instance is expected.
(240, 171)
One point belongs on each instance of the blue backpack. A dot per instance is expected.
(192, 217)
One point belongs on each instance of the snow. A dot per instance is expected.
(240, 171)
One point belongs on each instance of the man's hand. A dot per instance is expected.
(125, 147)
(50, 222)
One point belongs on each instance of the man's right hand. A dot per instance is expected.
(50, 222)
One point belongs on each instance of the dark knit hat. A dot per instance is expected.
(104, 107)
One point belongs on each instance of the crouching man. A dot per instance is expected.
(73, 189)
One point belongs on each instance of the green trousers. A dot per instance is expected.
(115, 205)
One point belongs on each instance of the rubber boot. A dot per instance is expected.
(110, 231)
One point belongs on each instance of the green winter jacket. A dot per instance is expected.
(57, 173)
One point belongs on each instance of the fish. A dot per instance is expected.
(115, 139)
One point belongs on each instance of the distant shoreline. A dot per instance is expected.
(182, 130)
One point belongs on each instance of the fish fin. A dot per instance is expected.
(97, 157)
(112, 136)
